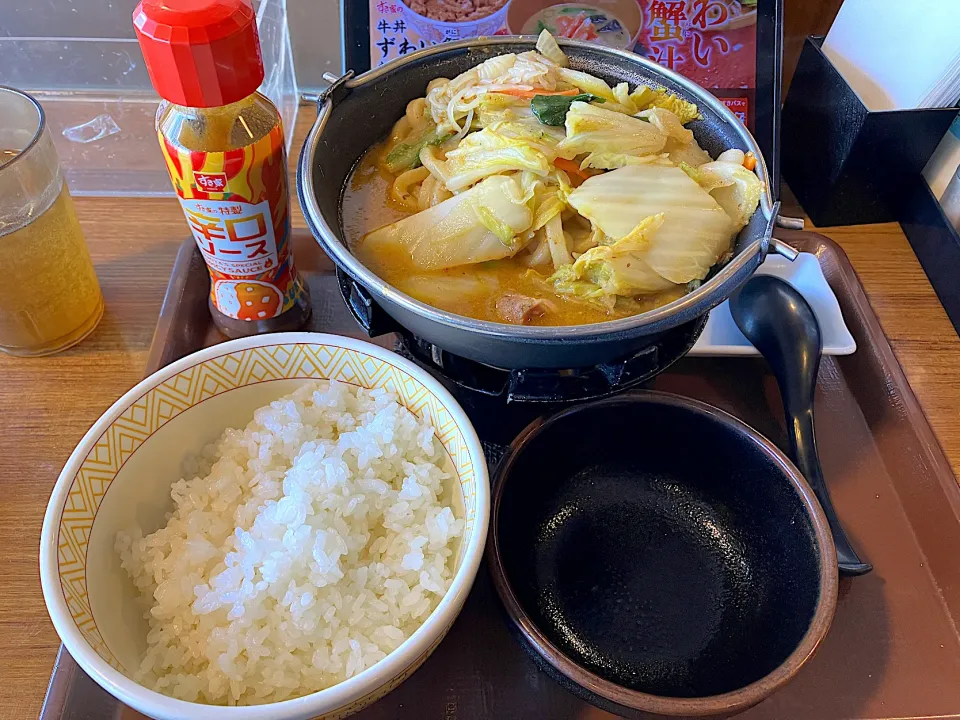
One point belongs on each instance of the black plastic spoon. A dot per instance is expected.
(781, 325)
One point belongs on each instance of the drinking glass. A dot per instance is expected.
(49, 295)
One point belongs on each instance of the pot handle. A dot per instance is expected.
(784, 249)
(332, 91)
(777, 246)
(363, 307)
(789, 223)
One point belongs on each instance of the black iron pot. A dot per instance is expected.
(355, 113)
(659, 557)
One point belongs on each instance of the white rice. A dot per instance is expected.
(310, 545)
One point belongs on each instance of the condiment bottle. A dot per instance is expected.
(224, 146)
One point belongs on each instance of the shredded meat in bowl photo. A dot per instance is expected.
(455, 10)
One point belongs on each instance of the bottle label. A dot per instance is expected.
(236, 205)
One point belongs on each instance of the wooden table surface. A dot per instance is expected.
(47, 404)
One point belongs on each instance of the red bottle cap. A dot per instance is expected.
(200, 53)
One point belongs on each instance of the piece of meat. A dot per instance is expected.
(522, 309)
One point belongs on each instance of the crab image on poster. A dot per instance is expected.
(248, 299)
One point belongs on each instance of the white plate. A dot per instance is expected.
(721, 336)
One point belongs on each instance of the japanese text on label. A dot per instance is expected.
(236, 238)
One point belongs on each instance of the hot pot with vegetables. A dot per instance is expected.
(528, 203)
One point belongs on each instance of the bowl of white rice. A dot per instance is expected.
(276, 527)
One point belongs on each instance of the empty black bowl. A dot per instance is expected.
(661, 556)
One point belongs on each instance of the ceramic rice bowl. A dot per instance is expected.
(122, 470)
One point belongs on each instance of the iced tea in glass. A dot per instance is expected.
(49, 295)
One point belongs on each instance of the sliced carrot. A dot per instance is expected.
(517, 92)
(750, 161)
(572, 168)
(568, 166)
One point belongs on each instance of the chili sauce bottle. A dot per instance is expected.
(223, 144)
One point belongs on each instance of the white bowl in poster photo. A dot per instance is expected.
(438, 31)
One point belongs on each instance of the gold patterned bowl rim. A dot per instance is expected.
(159, 399)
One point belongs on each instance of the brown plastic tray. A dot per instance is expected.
(893, 650)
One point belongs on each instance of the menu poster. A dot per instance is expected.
(712, 42)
